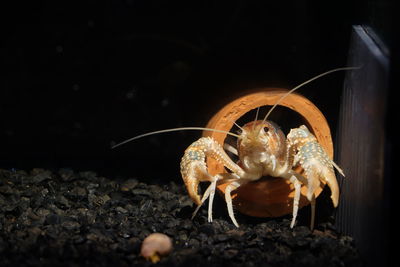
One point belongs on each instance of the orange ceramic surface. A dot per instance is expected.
(267, 197)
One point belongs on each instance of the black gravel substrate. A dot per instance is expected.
(66, 218)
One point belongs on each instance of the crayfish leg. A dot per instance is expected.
(209, 193)
(229, 204)
(233, 185)
(312, 212)
(296, 199)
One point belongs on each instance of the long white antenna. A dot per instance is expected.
(304, 83)
(237, 125)
(174, 130)
(254, 123)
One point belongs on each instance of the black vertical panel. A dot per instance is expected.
(361, 144)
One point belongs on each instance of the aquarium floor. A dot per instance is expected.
(67, 218)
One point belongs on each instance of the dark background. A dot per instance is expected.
(79, 77)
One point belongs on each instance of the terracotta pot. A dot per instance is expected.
(269, 196)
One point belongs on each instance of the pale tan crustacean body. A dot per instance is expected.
(263, 150)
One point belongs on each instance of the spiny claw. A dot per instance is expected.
(192, 185)
(315, 162)
(194, 170)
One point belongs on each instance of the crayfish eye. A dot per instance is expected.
(266, 129)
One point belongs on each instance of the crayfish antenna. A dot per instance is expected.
(173, 130)
(254, 123)
(304, 83)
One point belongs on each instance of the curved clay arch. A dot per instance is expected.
(268, 197)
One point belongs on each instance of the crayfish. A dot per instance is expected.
(262, 150)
